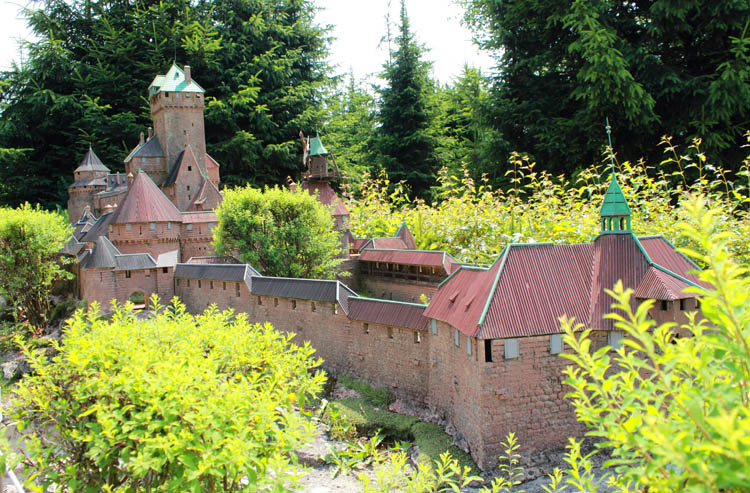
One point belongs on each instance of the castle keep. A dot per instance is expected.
(483, 352)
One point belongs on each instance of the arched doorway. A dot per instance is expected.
(138, 298)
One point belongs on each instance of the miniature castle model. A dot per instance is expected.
(483, 353)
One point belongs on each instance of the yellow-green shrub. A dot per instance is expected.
(675, 413)
(171, 402)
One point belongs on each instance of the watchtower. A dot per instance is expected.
(177, 111)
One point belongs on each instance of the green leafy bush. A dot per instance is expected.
(174, 402)
(473, 222)
(30, 239)
(675, 411)
(284, 233)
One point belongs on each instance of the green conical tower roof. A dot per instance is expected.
(614, 201)
(316, 147)
(615, 208)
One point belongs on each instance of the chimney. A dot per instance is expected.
(188, 79)
(141, 138)
(150, 132)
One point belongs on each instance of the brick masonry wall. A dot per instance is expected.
(525, 395)
(392, 289)
(397, 363)
(454, 386)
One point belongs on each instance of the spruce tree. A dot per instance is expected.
(405, 146)
(655, 67)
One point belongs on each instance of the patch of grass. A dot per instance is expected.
(431, 439)
(378, 397)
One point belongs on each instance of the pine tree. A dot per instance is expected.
(405, 146)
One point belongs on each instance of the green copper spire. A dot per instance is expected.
(316, 146)
(615, 212)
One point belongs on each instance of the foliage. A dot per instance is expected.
(405, 147)
(654, 68)
(30, 239)
(465, 137)
(396, 475)
(377, 396)
(349, 126)
(675, 410)
(282, 232)
(510, 471)
(173, 402)
(474, 222)
(85, 81)
(356, 454)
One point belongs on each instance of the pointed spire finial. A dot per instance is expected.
(611, 151)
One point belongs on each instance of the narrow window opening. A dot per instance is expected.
(312, 306)
(456, 340)
(555, 344)
(417, 337)
(488, 350)
(190, 168)
(127, 274)
(682, 305)
(260, 300)
(275, 302)
(335, 309)
(434, 326)
(294, 304)
(366, 327)
(188, 283)
(210, 284)
(390, 332)
(511, 348)
(199, 283)
(468, 345)
(165, 270)
(224, 285)
(664, 305)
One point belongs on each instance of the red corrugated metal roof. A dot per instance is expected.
(433, 258)
(531, 286)
(537, 285)
(145, 203)
(661, 252)
(393, 313)
(388, 244)
(616, 257)
(405, 234)
(358, 243)
(326, 196)
(658, 285)
(461, 298)
(199, 217)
